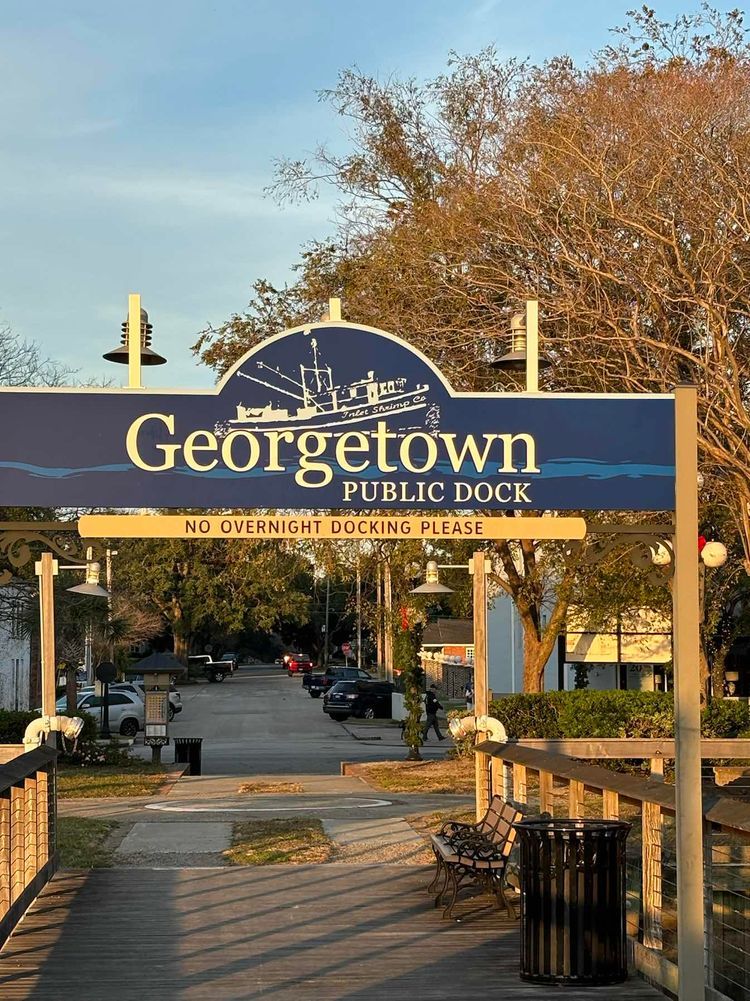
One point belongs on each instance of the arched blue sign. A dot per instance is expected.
(335, 415)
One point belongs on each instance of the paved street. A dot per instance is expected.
(261, 722)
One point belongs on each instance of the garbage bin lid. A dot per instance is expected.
(572, 825)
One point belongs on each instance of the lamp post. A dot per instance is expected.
(47, 568)
(359, 612)
(478, 567)
(135, 348)
(524, 347)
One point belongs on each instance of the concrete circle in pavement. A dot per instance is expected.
(319, 803)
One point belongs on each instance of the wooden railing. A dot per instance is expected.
(566, 787)
(28, 855)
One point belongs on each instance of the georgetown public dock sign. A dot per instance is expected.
(337, 416)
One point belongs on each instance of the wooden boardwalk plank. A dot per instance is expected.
(287, 933)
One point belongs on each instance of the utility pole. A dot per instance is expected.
(359, 613)
(379, 618)
(110, 554)
(328, 610)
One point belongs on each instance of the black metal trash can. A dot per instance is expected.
(187, 751)
(573, 901)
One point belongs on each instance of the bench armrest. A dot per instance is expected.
(454, 828)
(478, 848)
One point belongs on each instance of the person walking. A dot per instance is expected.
(431, 706)
(469, 695)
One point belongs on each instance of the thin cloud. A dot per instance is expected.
(485, 8)
(215, 195)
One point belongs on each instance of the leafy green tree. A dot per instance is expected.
(226, 583)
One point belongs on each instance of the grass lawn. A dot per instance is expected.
(297, 841)
(82, 842)
(138, 779)
(257, 788)
(450, 775)
(430, 823)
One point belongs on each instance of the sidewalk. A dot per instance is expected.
(192, 824)
(388, 734)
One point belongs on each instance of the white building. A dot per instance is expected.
(505, 650)
(15, 651)
(632, 651)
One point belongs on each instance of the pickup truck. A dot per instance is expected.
(318, 684)
(214, 670)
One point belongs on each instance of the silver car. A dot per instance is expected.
(126, 711)
(136, 688)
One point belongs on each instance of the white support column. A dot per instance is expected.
(685, 619)
(532, 346)
(134, 342)
(481, 683)
(46, 570)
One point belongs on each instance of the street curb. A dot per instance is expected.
(349, 768)
(171, 779)
(356, 736)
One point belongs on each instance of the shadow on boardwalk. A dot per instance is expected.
(287, 933)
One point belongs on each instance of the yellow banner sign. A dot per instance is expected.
(305, 526)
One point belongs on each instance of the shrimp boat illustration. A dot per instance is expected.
(323, 404)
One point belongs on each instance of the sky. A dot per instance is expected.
(138, 140)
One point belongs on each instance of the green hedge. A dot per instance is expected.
(587, 713)
(88, 752)
(13, 725)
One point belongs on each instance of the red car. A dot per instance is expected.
(298, 663)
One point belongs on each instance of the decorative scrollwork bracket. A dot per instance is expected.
(648, 547)
(20, 542)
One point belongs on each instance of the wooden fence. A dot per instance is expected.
(565, 787)
(28, 855)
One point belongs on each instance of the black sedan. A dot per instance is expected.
(318, 684)
(366, 699)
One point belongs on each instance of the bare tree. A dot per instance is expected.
(22, 364)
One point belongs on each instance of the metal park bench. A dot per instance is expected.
(475, 853)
